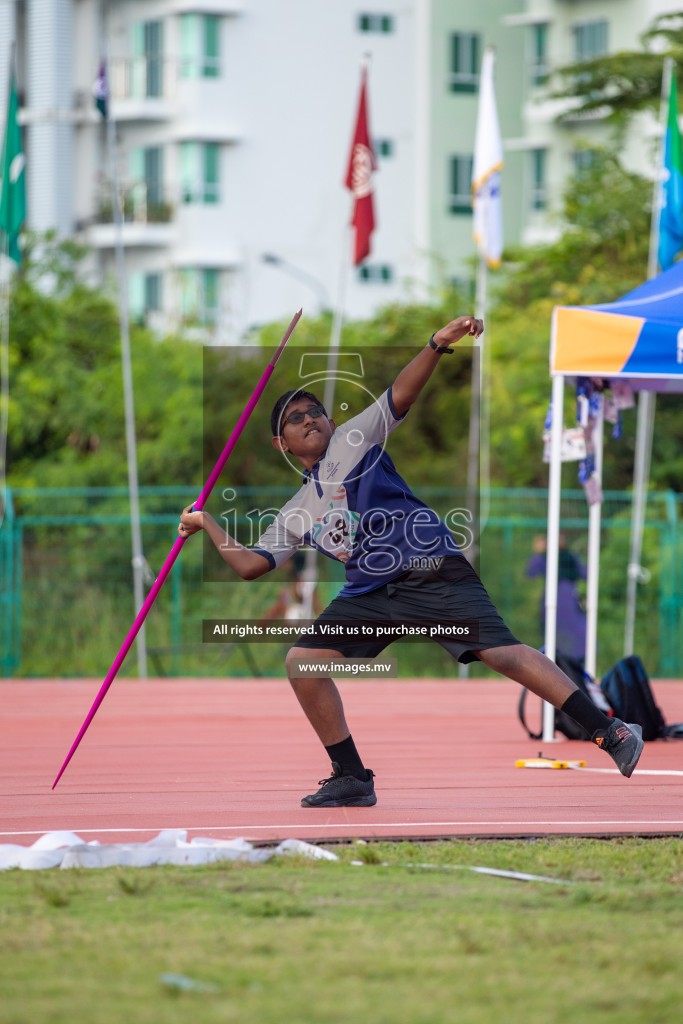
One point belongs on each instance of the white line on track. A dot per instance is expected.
(615, 771)
(363, 826)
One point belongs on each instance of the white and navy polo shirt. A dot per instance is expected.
(354, 506)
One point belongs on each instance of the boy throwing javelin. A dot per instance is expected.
(402, 565)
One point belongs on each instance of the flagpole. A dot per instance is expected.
(652, 262)
(474, 439)
(12, 211)
(311, 567)
(337, 323)
(4, 340)
(310, 573)
(4, 373)
(338, 320)
(488, 235)
(311, 559)
(487, 229)
(646, 399)
(128, 395)
(481, 303)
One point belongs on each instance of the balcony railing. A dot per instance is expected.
(156, 78)
(140, 78)
(141, 202)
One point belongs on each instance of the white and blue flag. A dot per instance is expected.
(486, 168)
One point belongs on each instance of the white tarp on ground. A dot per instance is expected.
(67, 850)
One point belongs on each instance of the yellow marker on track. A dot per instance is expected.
(548, 762)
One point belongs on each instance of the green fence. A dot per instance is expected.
(66, 599)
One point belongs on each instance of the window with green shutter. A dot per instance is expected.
(590, 40)
(138, 64)
(585, 160)
(211, 67)
(154, 164)
(144, 295)
(377, 273)
(147, 59)
(211, 172)
(200, 172)
(190, 172)
(210, 278)
(460, 184)
(383, 23)
(465, 59)
(199, 46)
(153, 284)
(189, 45)
(146, 188)
(539, 53)
(384, 147)
(136, 297)
(538, 179)
(199, 295)
(154, 55)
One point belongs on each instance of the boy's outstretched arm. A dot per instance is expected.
(247, 564)
(414, 376)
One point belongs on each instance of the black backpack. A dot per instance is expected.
(563, 723)
(627, 689)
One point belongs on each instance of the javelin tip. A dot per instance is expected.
(288, 334)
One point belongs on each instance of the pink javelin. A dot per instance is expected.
(177, 547)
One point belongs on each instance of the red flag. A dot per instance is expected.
(359, 179)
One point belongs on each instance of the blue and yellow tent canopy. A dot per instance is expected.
(638, 337)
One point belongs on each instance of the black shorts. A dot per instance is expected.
(451, 593)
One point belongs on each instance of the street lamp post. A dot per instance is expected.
(311, 564)
(301, 275)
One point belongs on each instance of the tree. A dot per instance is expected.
(619, 85)
(66, 396)
(602, 252)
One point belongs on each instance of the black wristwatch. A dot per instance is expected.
(441, 349)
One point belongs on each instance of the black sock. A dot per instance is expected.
(347, 757)
(582, 709)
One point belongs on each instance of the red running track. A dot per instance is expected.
(228, 758)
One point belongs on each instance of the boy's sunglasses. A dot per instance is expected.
(298, 417)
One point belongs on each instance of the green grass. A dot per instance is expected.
(388, 941)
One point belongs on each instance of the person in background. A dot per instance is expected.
(298, 598)
(571, 616)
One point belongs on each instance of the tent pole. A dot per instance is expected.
(641, 474)
(553, 540)
(481, 301)
(594, 523)
(647, 399)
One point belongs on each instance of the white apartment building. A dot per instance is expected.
(234, 121)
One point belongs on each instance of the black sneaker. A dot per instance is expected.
(343, 791)
(623, 743)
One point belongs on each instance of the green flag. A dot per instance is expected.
(13, 197)
(671, 216)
